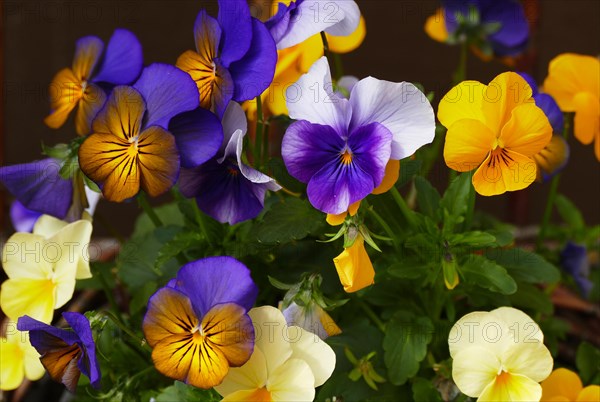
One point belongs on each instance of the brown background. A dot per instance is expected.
(38, 40)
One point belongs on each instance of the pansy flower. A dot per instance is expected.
(574, 261)
(79, 86)
(354, 267)
(496, 27)
(198, 326)
(312, 318)
(130, 147)
(499, 356)
(495, 129)
(564, 385)
(553, 158)
(341, 147)
(22, 218)
(286, 365)
(65, 354)
(42, 268)
(19, 360)
(574, 81)
(225, 187)
(234, 59)
(298, 20)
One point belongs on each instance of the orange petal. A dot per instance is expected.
(468, 143)
(86, 57)
(527, 132)
(61, 365)
(504, 170)
(169, 313)
(354, 267)
(65, 91)
(587, 117)
(336, 220)
(561, 382)
(435, 26)
(122, 115)
(202, 72)
(158, 160)
(569, 74)
(591, 393)
(91, 102)
(392, 172)
(503, 94)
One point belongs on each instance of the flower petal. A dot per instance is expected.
(512, 387)
(561, 382)
(198, 135)
(158, 160)
(354, 267)
(90, 104)
(65, 91)
(591, 393)
(551, 110)
(247, 378)
(32, 297)
(468, 143)
(87, 53)
(587, 117)
(473, 369)
(270, 328)
(514, 29)
(123, 59)
(502, 95)
(528, 131)
(400, 107)
(348, 43)
(312, 99)
(569, 74)
(12, 372)
(504, 171)
(122, 114)
(73, 240)
(22, 257)
(22, 218)
(522, 327)
(464, 101)
(236, 22)
(292, 381)
(392, 173)
(167, 91)
(530, 358)
(371, 146)
(316, 353)
(435, 26)
(254, 72)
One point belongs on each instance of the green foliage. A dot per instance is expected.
(588, 363)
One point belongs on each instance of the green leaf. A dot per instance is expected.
(569, 212)
(293, 219)
(428, 198)
(424, 390)
(473, 239)
(182, 392)
(409, 168)
(531, 297)
(279, 172)
(454, 201)
(171, 249)
(588, 363)
(480, 271)
(405, 345)
(524, 265)
(169, 215)
(408, 268)
(141, 296)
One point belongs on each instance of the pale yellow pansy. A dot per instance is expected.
(18, 359)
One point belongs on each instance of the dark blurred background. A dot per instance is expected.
(38, 40)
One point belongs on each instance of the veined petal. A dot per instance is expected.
(167, 91)
(511, 387)
(87, 53)
(292, 381)
(90, 104)
(306, 148)
(435, 26)
(65, 91)
(464, 101)
(121, 116)
(158, 160)
(561, 383)
(61, 365)
(203, 74)
(468, 143)
(348, 43)
(569, 74)
(552, 158)
(346, 23)
(528, 131)
(236, 22)
(89, 364)
(587, 117)
(473, 369)
(123, 59)
(32, 297)
(312, 99)
(112, 163)
(198, 135)
(504, 93)
(319, 356)
(400, 107)
(392, 173)
(354, 267)
(270, 327)
(247, 378)
(371, 146)
(207, 36)
(503, 171)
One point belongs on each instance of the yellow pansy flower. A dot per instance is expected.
(42, 268)
(565, 386)
(496, 129)
(19, 360)
(499, 356)
(286, 365)
(574, 82)
(354, 267)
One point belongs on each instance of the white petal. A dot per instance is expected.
(269, 329)
(401, 107)
(473, 369)
(234, 119)
(249, 377)
(93, 198)
(346, 25)
(312, 99)
(293, 381)
(316, 353)
(481, 329)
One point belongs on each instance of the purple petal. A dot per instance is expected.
(207, 35)
(223, 90)
(198, 134)
(22, 219)
(551, 109)
(88, 51)
(514, 32)
(236, 23)
(88, 364)
(45, 338)
(216, 280)
(39, 186)
(123, 59)
(371, 146)
(529, 79)
(254, 72)
(574, 260)
(454, 7)
(234, 119)
(167, 91)
(279, 23)
(306, 148)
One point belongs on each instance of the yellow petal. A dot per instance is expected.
(202, 72)
(23, 257)
(86, 57)
(468, 143)
(392, 173)
(158, 160)
(504, 170)
(354, 267)
(269, 327)
(310, 51)
(481, 329)
(292, 381)
(336, 220)
(510, 387)
(561, 382)
(251, 376)
(528, 330)
(34, 370)
(528, 357)
(464, 101)
(587, 117)
(90, 104)
(435, 26)
(328, 324)
(569, 74)
(207, 364)
(12, 370)
(73, 239)
(553, 157)
(505, 92)
(122, 114)
(528, 131)
(309, 348)
(591, 393)
(65, 92)
(32, 297)
(346, 44)
(48, 226)
(251, 395)
(473, 369)
(112, 162)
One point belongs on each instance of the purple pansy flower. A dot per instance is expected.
(301, 19)
(510, 38)
(340, 147)
(224, 187)
(94, 67)
(574, 261)
(65, 354)
(198, 325)
(235, 56)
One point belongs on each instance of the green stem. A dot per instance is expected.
(470, 206)
(108, 292)
(200, 220)
(259, 131)
(461, 71)
(383, 224)
(130, 333)
(371, 314)
(265, 151)
(404, 209)
(143, 202)
(326, 51)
